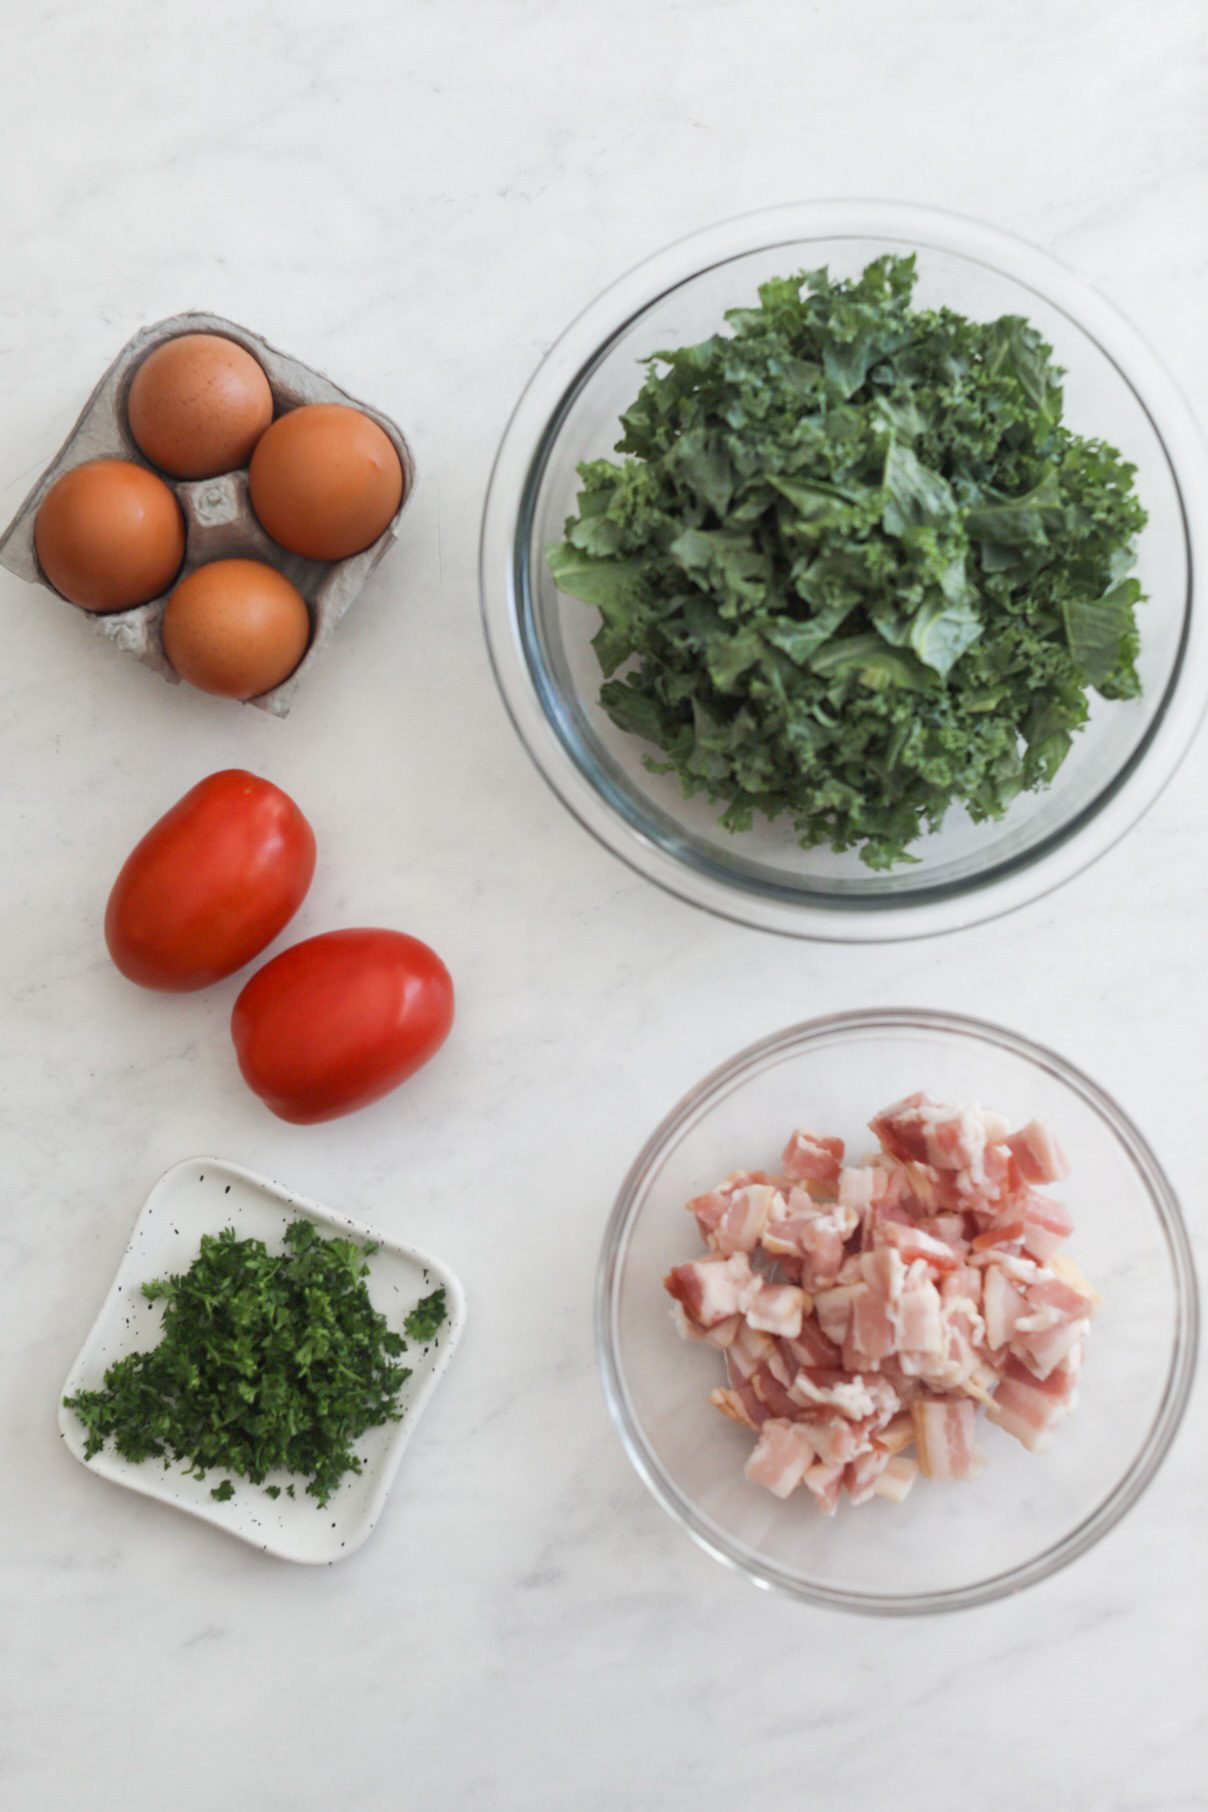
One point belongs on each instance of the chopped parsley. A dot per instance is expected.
(268, 1361)
(424, 1319)
(856, 568)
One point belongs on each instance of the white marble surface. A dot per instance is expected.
(416, 195)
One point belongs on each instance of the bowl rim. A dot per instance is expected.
(505, 605)
(1180, 1373)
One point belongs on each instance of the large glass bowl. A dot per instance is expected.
(540, 640)
(948, 1545)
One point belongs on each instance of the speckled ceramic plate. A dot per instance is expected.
(203, 1195)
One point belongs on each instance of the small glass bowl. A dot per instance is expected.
(949, 1545)
(540, 640)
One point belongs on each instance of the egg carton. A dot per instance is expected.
(219, 521)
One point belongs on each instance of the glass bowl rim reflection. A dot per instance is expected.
(693, 1107)
(618, 818)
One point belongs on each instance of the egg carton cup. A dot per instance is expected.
(219, 521)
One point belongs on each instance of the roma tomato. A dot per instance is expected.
(339, 1020)
(211, 884)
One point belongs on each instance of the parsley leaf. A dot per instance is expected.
(424, 1319)
(854, 567)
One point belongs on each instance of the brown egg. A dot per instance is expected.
(110, 534)
(236, 628)
(325, 481)
(198, 405)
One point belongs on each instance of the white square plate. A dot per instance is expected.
(203, 1195)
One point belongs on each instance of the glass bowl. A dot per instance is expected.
(949, 1545)
(540, 640)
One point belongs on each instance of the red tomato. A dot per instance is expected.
(339, 1020)
(210, 884)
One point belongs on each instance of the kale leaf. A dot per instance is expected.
(854, 568)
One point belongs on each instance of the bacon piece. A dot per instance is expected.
(733, 1404)
(918, 1324)
(1055, 1294)
(870, 1337)
(772, 1393)
(746, 1215)
(1046, 1226)
(1031, 1408)
(849, 1396)
(949, 1139)
(860, 1185)
(780, 1458)
(1002, 1305)
(913, 1243)
(949, 1229)
(1043, 1350)
(833, 1309)
(943, 1435)
(711, 1289)
(1037, 1153)
(825, 1482)
(897, 1478)
(898, 1432)
(884, 1272)
(861, 1474)
(899, 1130)
(755, 1413)
(711, 1209)
(1064, 1267)
(749, 1350)
(777, 1308)
(813, 1233)
(722, 1334)
(810, 1158)
(836, 1440)
(810, 1346)
(822, 1243)
(732, 1216)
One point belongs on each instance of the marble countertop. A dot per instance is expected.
(416, 196)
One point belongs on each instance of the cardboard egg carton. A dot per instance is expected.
(219, 520)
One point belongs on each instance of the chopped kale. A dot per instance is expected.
(855, 567)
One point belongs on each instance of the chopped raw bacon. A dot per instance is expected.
(749, 1350)
(722, 1333)
(898, 1432)
(943, 1435)
(834, 1309)
(1030, 1408)
(731, 1403)
(812, 1159)
(913, 1243)
(811, 1347)
(777, 1308)
(861, 1474)
(918, 1323)
(772, 1393)
(712, 1288)
(1046, 1226)
(870, 1337)
(781, 1457)
(825, 1482)
(850, 1396)
(895, 1482)
(871, 1307)
(1037, 1153)
(1002, 1305)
